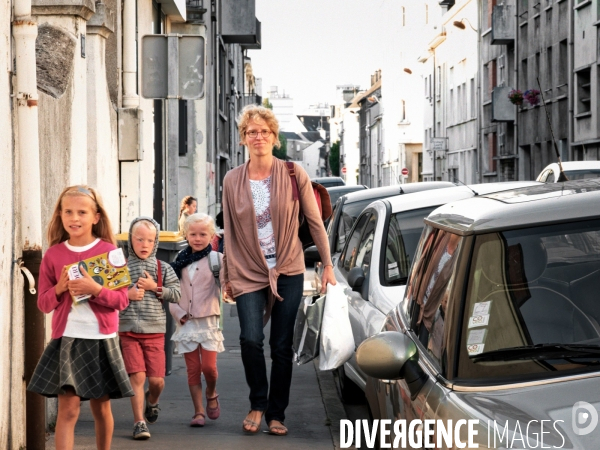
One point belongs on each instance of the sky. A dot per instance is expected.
(310, 46)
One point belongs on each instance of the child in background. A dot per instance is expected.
(187, 207)
(142, 325)
(83, 360)
(197, 335)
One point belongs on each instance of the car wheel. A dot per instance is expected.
(348, 391)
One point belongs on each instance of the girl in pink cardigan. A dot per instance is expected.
(83, 360)
(197, 316)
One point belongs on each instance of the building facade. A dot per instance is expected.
(71, 93)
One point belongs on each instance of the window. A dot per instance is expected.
(532, 286)
(403, 114)
(402, 237)
(349, 213)
(583, 90)
(490, 10)
(492, 151)
(563, 65)
(348, 258)
(426, 14)
(492, 74)
(403, 16)
(430, 294)
(523, 82)
(473, 100)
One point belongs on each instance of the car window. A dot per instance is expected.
(365, 248)
(433, 294)
(402, 236)
(549, 177)
(350, 254)
(349, 213)
(582, 174)
(532, 287)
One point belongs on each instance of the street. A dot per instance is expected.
(313, 416)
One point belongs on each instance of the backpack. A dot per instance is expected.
(215, 267)
(323, 202)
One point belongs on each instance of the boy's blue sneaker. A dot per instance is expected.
(151, 411)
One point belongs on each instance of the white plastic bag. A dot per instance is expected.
(337, 341)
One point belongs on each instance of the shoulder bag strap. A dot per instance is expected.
(159, 281)
(215, 267)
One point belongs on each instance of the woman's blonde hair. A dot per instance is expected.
(199, 218)
(253, 112)
(186, 201)
(102, 230)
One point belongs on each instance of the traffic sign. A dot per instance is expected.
(343, 170)
(173, 66)
(404, 171)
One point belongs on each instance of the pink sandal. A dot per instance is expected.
(213, 413)
(197, 421)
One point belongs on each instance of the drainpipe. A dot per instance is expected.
(570, 87)
(516, 84)
(25, 32)
(130, 96)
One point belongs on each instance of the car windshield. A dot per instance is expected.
(402, 237)
(582, 174)
(532, 302)
(350, 212)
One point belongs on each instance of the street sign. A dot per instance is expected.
(343, 171)
(404, 171)
(184, 59)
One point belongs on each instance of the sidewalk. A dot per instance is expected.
(313, 416)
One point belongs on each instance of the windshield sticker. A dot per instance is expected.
(480, 320)
(475, 349)
(482, 308)
(393, 270)
(476, 336)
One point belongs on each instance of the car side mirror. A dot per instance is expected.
(356, 278)
(391, 355)
(311, 255)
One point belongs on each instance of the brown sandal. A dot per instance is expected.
(277, 430)
(252, 423)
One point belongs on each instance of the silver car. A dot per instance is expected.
(373, 266)
(500, 321)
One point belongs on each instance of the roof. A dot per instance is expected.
(426, 199)
(314, 123)
(578, 165)
(289, 135)
(543, 203)
(312, 136)
(388, 191)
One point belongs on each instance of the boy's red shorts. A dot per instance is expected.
(144, 354)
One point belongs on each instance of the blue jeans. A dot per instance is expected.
(283, 317)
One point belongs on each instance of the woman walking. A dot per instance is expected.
(264, 262)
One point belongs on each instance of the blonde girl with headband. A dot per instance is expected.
(83, 360)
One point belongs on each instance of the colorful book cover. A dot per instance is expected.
(108, 270)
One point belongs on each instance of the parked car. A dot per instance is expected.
(500, 321)
(373, 266)
(329, 181)
(336, 192)
(574, 170)
(349, 206)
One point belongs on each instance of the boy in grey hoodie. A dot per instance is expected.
(142, 324)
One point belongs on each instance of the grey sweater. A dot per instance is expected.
(148, 315)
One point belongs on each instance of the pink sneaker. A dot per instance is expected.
(197, 420)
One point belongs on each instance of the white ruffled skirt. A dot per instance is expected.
(203, 330)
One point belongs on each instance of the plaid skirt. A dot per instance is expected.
(93, 368)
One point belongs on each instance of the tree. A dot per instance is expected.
(334, 158)
(267, 103)
(281, 152)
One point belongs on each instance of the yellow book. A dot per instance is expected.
(107, 269)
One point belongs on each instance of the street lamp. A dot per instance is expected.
(461, 24)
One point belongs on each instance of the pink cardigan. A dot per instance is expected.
(106, 306)
(200, 296)
(245, 266)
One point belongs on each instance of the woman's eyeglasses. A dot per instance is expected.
(253, 134)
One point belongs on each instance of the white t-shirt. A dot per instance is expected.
(261, 196)
(81, 321)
